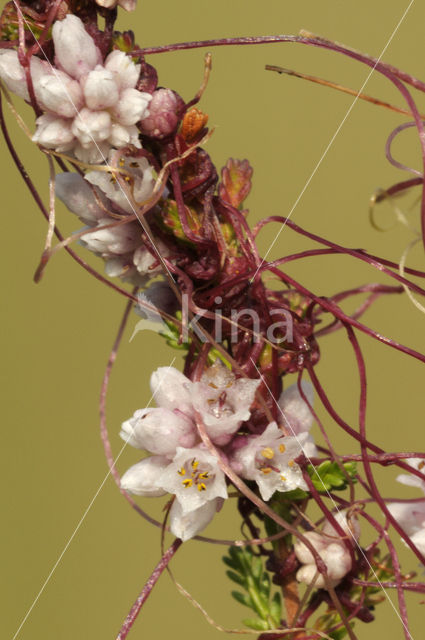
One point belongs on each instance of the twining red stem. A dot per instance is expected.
(147, 589)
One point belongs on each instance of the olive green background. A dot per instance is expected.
(56, 335)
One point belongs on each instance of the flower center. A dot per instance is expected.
(194, 476)
(268, 460)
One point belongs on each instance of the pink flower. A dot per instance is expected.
(90, 105)
(181, 464)
(269, 460)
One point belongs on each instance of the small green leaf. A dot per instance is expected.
(256, 623)
(243, 598)
(338, 634)
(236, 577)
(230, 562)
(256, 567)
(276, 608)
(330, 476)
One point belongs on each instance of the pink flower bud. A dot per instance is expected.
(75, 51)
(164, 114)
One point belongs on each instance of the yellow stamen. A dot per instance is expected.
(134, 165)
(182, 471)
(282, 448)
(214, 386)
(421, 465)
(283, 478)
(121, 162)
(268, 453)
(204, 475)
(195, 464)
(291, 463)
(187, 483)
(266, 470)
(201, 486)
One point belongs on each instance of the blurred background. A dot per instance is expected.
(56, 336)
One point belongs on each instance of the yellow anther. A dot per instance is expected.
(291, 463)
(268, 453)
(421, 465)
(195, 464)
(282, 448)
(134, 165)
(121, 162)
(283, 478)
(201, 486)
(204, 475)
(127, 178)
(187, 483)
(182, 471)
(266, 470)
(211, 384)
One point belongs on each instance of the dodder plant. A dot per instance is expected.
(126, 156)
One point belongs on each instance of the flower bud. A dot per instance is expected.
(142, 478)
(58, 93)
(91, 126)
(126, 73)
(164, 110)
(75, 51)
(132, 106)
(100, 89)
(13, 74)
(53, 133)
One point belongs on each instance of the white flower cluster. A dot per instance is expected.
(411, 515)
(99, 200)
(331, 548)
(89, 105)
(180, 463)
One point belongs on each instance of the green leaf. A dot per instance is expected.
(230, 562)
(265, 585)
(295, 494)
(256, 623)
(256, 567)
(330, 476)
(243, 598)
(236, 578)
(338, 634)
(276, 608)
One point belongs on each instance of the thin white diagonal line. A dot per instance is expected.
(332, 140)
(83, 517)
(288, 424)
(87, 130)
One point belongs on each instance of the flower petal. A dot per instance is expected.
(113, 241)
(79, 197)
(171, 389)
(297, 416)
(186, 525)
